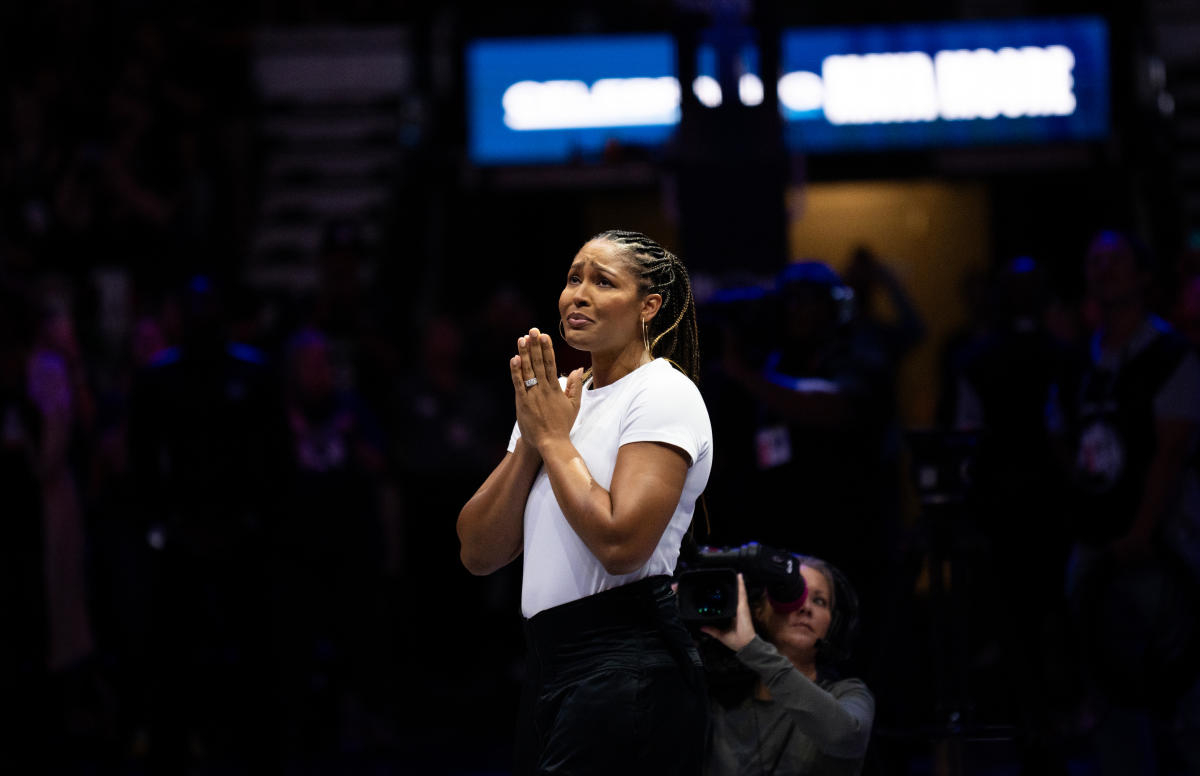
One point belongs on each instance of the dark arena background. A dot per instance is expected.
(263, 264)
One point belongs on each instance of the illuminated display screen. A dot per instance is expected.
(553, 99)
(950, 84)
(846, 88)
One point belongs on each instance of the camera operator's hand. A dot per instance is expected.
(742, 632)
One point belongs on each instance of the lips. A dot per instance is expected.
(578, 319)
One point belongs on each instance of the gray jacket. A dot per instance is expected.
(806, 728)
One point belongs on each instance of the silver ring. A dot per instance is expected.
(531, 382)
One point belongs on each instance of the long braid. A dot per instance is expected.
(674, 331)
(676, 335)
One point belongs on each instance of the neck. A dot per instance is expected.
(607, 368)
(807, 668)
(805, 664)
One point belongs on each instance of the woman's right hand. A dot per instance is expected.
(544, 411)
(742, 631)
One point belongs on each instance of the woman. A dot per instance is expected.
(779, 706)
(597, 490)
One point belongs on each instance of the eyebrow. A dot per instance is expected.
(575, 267)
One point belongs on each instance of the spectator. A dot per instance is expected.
(206, 442)
(1006, 378)
(58, 387)
(23, 650)
(327, 555)
(123, 560)
(1128, 420)
(825, 411)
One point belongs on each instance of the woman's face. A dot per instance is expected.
(601, 305)
(795, 633)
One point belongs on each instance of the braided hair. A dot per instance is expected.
(673, 333)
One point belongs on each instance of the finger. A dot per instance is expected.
(743, 606)
(523, 354)
(548, 356)
(536, 362)
(574, 387)
(514, 368)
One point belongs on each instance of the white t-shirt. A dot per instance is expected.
(654, 403)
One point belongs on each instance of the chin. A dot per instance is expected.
(803, 643)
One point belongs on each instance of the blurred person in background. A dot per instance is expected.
(1006, 378)
(206, 442)
(1128, 420)
(974, 289)
(58, 386)
(450, 432)
(46, 410)
(875, 285)
(824, 431)
(23, 650)
(354, 313)
(122, 561)
(327, 557)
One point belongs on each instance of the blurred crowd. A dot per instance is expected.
(228, 514)
(219, 502)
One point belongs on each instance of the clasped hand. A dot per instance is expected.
(544, 410)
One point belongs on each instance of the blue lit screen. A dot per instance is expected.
(807, 50)
(494, 65)
(552, 100)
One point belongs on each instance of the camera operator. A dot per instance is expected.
(778, 703)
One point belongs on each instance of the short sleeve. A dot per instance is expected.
(671, 411)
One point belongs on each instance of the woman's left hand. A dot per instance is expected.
(544, 411)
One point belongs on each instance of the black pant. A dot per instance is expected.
(614, 685)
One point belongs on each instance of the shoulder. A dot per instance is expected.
(664, 388)
(1160, 348)
(662, 375)
(664, 405)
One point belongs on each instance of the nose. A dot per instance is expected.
(578, 296)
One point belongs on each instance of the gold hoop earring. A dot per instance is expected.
(645, 337)
(561, 332)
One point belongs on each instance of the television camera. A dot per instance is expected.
(707, 591)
